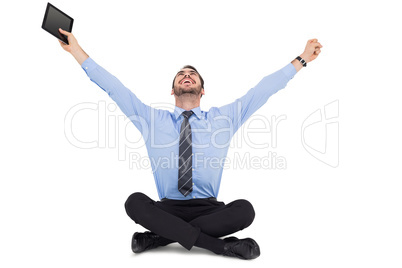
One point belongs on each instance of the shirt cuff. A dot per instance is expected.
(88, 65)
(289, 70)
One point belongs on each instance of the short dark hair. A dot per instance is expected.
(192, 68)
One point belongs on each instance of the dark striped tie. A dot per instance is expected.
(185, 183)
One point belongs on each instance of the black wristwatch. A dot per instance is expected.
(303, 62)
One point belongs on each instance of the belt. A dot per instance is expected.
(209, 198)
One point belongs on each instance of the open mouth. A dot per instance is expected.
(187, 81)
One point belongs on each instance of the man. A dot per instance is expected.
(188, 211)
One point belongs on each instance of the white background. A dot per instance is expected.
(62, 206)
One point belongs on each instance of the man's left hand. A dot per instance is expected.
(312, 50)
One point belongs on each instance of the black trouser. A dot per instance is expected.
(183, 220)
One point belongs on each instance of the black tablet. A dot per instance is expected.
(55, 19)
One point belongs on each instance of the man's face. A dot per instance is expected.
(187, 81)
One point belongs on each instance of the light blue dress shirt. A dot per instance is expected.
(212, 130)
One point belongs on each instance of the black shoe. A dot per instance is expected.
(144, 241)
(245, 249)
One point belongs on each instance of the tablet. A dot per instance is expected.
(55, 19)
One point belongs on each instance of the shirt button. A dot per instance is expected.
(193, 196)
(86, 67)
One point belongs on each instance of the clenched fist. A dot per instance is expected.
(313, 48)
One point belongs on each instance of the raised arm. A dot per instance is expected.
(129, 104)
(242, 108)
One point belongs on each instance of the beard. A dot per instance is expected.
(193, 90)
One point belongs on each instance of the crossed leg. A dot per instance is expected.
(202, 231)
(234, 217)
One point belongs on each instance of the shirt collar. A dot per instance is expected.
(197, 111)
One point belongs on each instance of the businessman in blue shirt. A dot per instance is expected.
(188, 211)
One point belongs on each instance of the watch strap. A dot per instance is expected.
(302, 61)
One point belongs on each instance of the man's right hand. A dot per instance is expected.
(73, 47)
